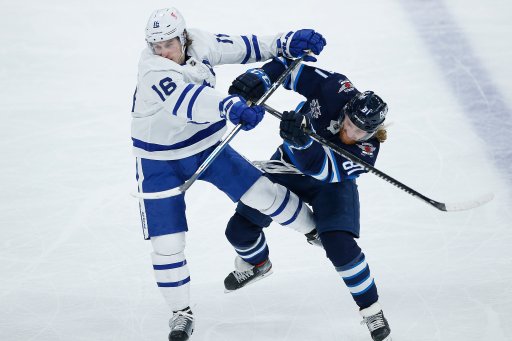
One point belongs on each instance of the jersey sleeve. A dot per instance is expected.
(305, 79)
(167, 91)
(239, 49)
(321, 163)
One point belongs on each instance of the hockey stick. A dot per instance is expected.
(439, 205)
(206, 163)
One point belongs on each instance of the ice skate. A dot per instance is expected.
(377, 324)
(246, 273)
(182, 325)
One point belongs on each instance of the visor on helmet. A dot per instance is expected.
(353, 132)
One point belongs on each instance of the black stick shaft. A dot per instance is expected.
(439, 205)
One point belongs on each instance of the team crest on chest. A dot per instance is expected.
(315, 108)
(366, 148)
(346, 86)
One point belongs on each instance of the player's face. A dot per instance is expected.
(350, 134)
(170, 49)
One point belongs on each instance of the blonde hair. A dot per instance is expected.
(381, 134)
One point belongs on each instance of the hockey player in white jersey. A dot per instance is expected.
(178, 119)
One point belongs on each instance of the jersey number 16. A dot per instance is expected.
(167, 86)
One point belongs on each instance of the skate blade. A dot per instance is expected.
(270, 272)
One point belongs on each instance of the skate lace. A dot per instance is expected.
(180, 320)
(242, 275)
(374, 322)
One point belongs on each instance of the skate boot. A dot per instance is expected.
(313, 238)
(182, 325)
(377, 324)
(246, 273)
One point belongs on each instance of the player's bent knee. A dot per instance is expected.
(169, 244)
(340, 247)
(241, 231)
(261, 195)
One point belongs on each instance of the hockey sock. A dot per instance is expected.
(247, 239)
(255, 253)
(173, 279)
(350, 263)
(290, 211)
(279, 203)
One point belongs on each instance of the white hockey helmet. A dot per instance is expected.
(165, 24)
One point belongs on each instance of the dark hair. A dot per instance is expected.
(188, 41)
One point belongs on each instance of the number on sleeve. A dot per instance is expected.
(221, 39)
(352, 167)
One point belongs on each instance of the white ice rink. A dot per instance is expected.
(74, 265)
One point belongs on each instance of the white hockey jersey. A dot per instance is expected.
(175, 112)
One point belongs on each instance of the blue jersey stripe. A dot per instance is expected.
(287, 82)
(181, 98)
(335, 169)
(193, 100)
(173, 284)
(248, 49)
(200, 135)
(297, 78)
(206, 62)
(324, 164)
(256, 48)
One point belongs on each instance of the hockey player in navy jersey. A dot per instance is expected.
(178, 119)
(352, 120)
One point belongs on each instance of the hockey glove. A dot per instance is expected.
(295, 44)
(291, 128)
(251, 85)
(235, 109)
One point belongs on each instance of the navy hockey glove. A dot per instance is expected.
(251, 85)
(291, 128)
(235, 109)
(295, 44)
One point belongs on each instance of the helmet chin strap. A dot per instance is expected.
(183, 56)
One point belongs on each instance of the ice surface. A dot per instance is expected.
(73, 264)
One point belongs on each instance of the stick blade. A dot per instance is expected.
(158, 195)
(468, 205)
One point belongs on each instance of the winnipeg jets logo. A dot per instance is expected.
(315, 108)
(156, 24)
(334, 127)
(346, 86)
(366, 148)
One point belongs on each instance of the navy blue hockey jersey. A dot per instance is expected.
(326, 93)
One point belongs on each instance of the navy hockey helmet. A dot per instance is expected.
(366, 110)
